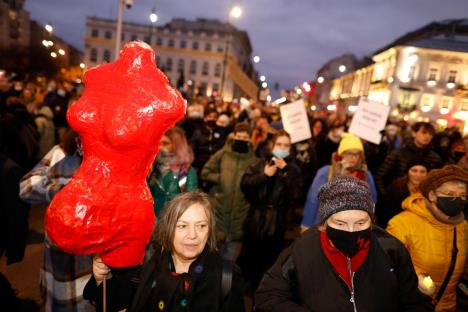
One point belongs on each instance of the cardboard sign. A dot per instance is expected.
(295, 121)
(369, 119)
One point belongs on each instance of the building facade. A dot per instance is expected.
(14, 24)
(204, 56)
(422, 75)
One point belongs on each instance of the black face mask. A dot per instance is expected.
(211, 123)
(348, 242)
(450, 206)
(240, 146)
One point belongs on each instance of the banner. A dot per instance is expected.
(295, 121)
(369, 120)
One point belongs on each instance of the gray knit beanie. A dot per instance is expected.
(344, 193)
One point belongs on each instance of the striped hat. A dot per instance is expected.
(344, 193)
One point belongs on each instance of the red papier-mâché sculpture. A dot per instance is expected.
(107, 208)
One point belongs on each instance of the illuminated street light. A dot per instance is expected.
(50, 43)
(153, 17)
(450, 85)
(61, 52)
(256, 59)
(53, 54)
(320, 79)
(268, 98)
(49, 28)
(342, 68)
(262, 78)
(306, 86)
(264, 84)
(299, 91)
(236, 12)
(82, 65)
(45, 43)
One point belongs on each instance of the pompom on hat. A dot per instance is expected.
(349, 141)
(437, 177)
(344, 193)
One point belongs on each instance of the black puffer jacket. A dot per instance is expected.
(303, 279)
(395, 163)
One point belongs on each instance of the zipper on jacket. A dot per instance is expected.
(351, 273)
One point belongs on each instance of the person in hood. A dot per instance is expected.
(225, 170)
(172, 171)
(434, 230)
(348, 160)
(344, 264)
(272, 185)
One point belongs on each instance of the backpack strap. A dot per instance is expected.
(226, 278)
(389, 246)
(453, 260)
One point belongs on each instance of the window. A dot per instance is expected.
(217, 71)
(446, 102)
(452, 77)
(215, 87)
(205, 69)
(171, 43)
(159, 41)
(93, 56)
(147, 40)
(193, 67)
(411, 72)
(181, 65)
(220, 48)
(202, 88)
(195, 45)
(183, 44)
(134, 37)
(432, 74)
(94, 33)
(107, 56)
(464, 105)
(427, 100)
(108, 34)
(169, 64)
(208, 47)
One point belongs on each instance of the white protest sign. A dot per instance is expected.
(369, 119)
(295, 121)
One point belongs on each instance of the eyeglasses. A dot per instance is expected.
(352, 154)
(453, 196)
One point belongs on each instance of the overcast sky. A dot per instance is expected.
(294, 38)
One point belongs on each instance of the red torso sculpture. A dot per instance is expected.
(107, 207)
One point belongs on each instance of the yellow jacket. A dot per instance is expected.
(430, 243)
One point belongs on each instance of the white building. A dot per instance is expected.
(196, 48)
(422, 75)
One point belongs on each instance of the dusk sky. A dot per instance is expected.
(294, 38)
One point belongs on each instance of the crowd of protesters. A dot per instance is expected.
(261, 186)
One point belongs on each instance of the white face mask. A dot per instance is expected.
(61, 92)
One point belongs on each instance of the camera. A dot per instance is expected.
(128, 3)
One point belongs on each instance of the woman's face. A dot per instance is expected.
(351, 156)
(166, 144)
(283, 143)
(317, 128)
(191, 233)
(417, 174)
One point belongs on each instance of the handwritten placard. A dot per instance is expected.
(295, 121)
(369, 120)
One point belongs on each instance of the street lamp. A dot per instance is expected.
(264, 85)
(342, 68)
(235, 13)
(49, 28)
(61, 52)
(262, 78)
(153, 18)
(82, 65)
(53, 54)
(256, 59)
(118, 33)
(320, 79)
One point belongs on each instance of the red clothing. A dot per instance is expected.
(340, 261)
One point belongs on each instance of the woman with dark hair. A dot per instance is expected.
(271, 185)
(400, 189)
(186, 272)
(172, 173)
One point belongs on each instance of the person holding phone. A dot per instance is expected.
(272, 185)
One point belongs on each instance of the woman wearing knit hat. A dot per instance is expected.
(347, 161)
(400, 189)
(433, 228)
(345, 264)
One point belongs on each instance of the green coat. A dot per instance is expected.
(225, 170)
(166, 188)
